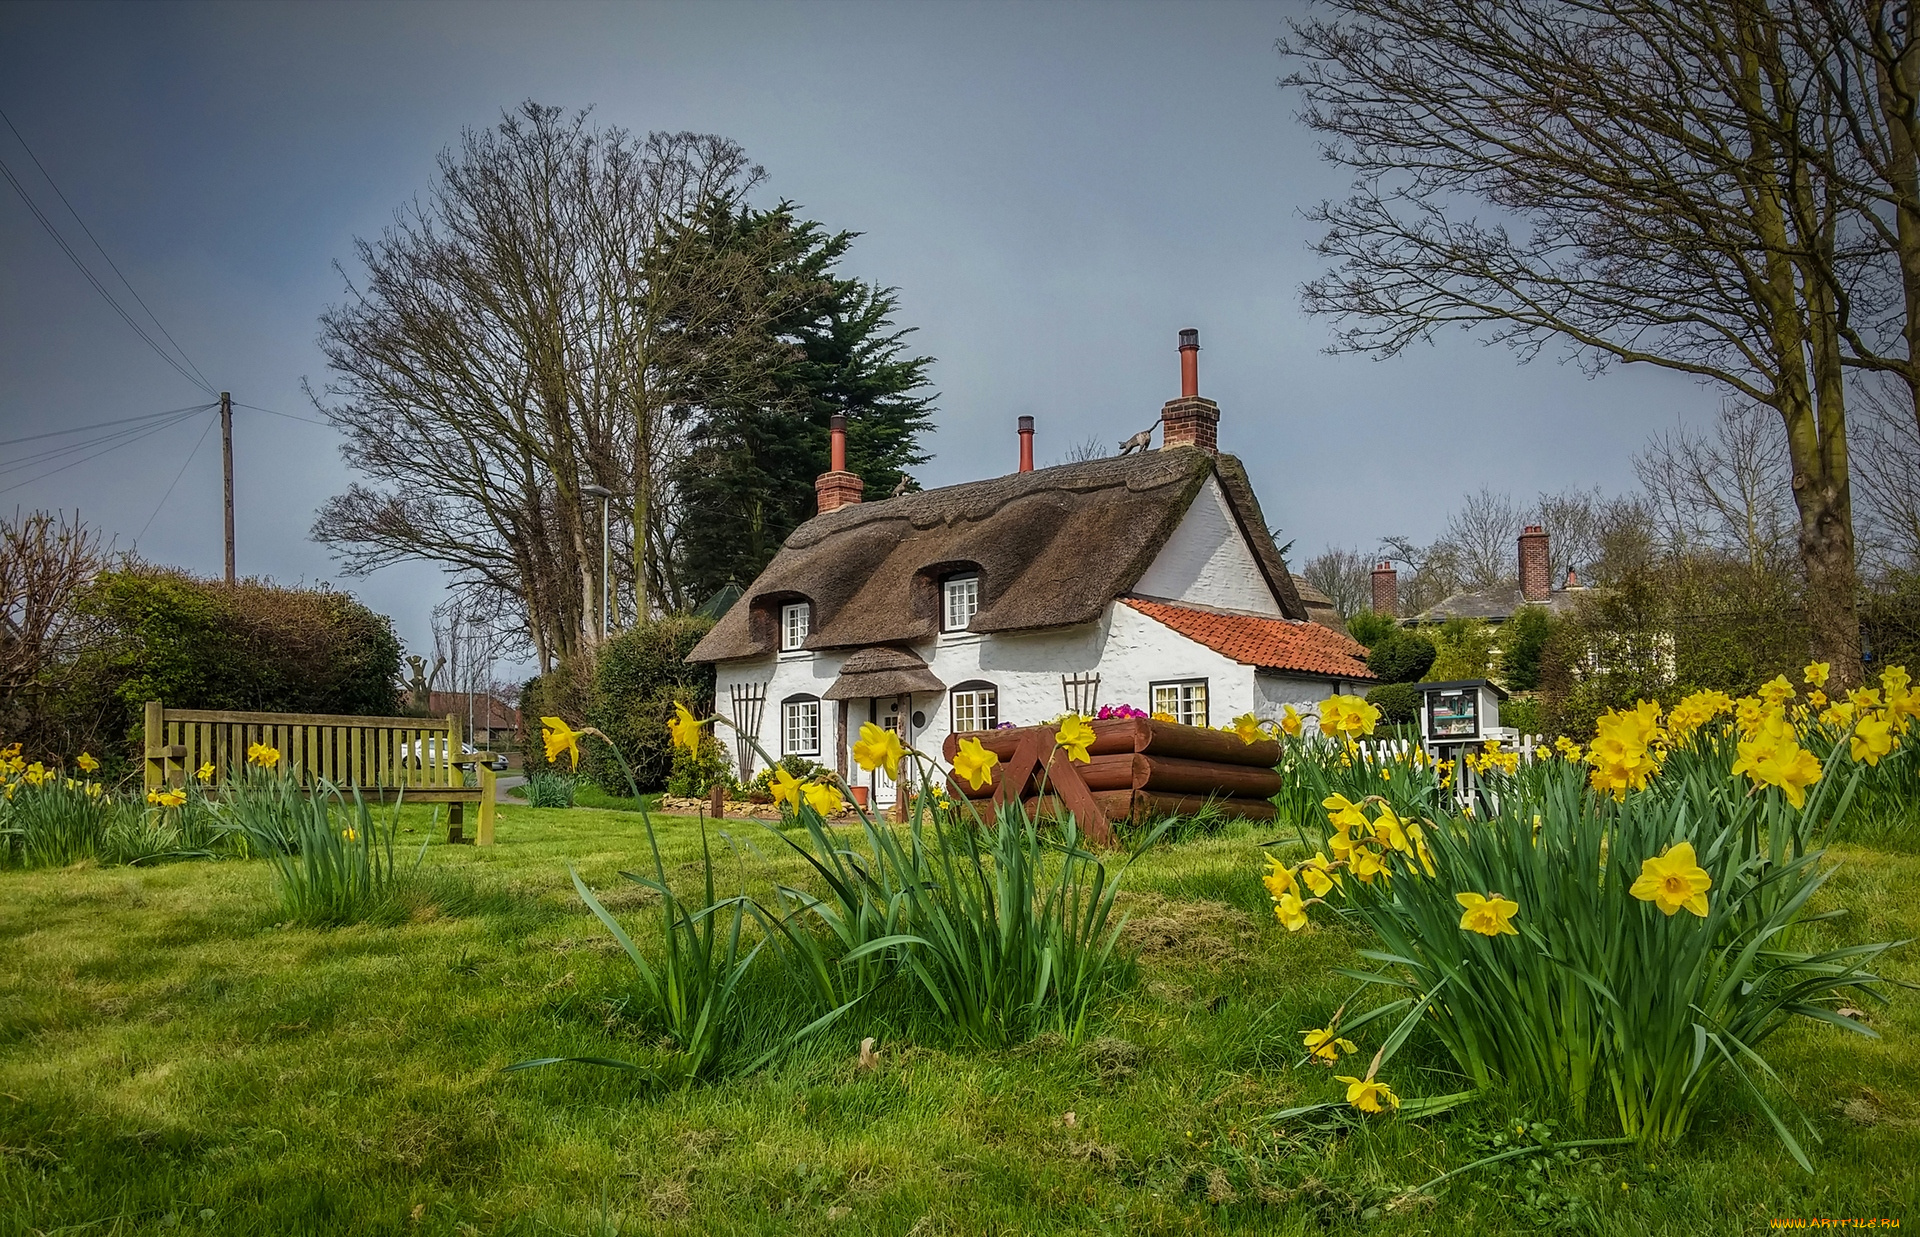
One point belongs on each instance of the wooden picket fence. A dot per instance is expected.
(1531, 747)
(386, 758)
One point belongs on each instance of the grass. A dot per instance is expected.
(172, 1058)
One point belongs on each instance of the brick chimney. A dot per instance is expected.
(1536, 571)
(1026, 444)
(1190, 421)
(837, 488)
(1386, 589)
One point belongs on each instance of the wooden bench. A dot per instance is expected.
(417, 759)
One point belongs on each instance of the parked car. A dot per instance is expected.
(431, 750)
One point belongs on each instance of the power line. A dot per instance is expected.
(97, 425)
(18, 462)
(197, 444)
(99, 287)
(289, 416)
(126, 440)
(205, 385)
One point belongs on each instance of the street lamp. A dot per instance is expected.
(606, 497)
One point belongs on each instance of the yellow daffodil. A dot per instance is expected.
(350, 834)
(1816, 700)
(1323, 1044)
(1347, 717)
(1674, 880)
(1075, 735)
(94, 790)
(684, 729)
(1865, 699)
(1319, 874)
(824, 798)
(878, 748)
(167, 798)
(1247, 726)
(1366, 864)
(1343, 813)
(1895, 679)
(205, 772)
(1838, 714)
(1776, 691)
(1278, 880)
(1291, 911)
(1368, 1095)
(974, 763)
(1872, 739)
(1770, 756)
(1816, 673)
(1290, 722)
(1487, 915)
(86, 763)
(786, 787)
(1390, 832)
(263, 755)
(560, 737)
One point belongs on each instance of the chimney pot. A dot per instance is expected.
(1536, 568)
(1026, 444)
(1190, 421)
(1189, 363)
(1386, 589)
(837, 487)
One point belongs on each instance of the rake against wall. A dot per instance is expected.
(749, 701)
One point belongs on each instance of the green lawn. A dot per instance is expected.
(172, 1060)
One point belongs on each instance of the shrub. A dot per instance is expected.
(1402, 657)
(1372, 629)
(627, 692)
(549, 789)
(1522, 714)
(1523, 638)
(1463, 650)
(165, 635)
(799, 766)
(695, 773)
(1399, 703)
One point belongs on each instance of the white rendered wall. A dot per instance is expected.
(1208, 562)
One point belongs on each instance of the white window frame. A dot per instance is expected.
(1181, 695)
(959, 601)
(978, 707)
(796, 623)
(800, 726)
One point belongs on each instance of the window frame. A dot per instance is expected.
(787, 715)
(974, 689)
(947, 590)
(790, 641)
(1185, 689)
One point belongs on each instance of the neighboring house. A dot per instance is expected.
(1494, 605)
(1148, 580)
(493, 719)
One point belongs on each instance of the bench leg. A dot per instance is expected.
(456, 822)
(485, 836)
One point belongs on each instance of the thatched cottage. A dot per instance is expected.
(1146, 579)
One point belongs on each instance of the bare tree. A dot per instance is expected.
(1889, 463)
(1345, 576)
(1572, 520)
(1670, 184)
(1482, 534)
(1727, 493)
(46, 560)
(1094, 448)
(1431, 573)
(501, 354)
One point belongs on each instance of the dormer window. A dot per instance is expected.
(795, 622)
(961, 601)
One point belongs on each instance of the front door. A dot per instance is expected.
(894, 715)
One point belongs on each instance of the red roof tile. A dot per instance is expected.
(1271, 644)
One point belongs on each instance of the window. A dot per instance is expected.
(962, 596)
(794, 623)
(976, 706)
(1185, 702)
(800, 727)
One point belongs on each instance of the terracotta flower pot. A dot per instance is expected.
(859, 797)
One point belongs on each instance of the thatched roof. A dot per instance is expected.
(1053, 547)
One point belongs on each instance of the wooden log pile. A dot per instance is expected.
(1138, 769)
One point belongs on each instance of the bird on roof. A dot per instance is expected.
(1138, 442)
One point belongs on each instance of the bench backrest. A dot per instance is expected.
(347, 751)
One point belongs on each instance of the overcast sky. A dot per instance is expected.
(1056, 189)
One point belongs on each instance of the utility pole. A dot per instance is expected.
(226, 467)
